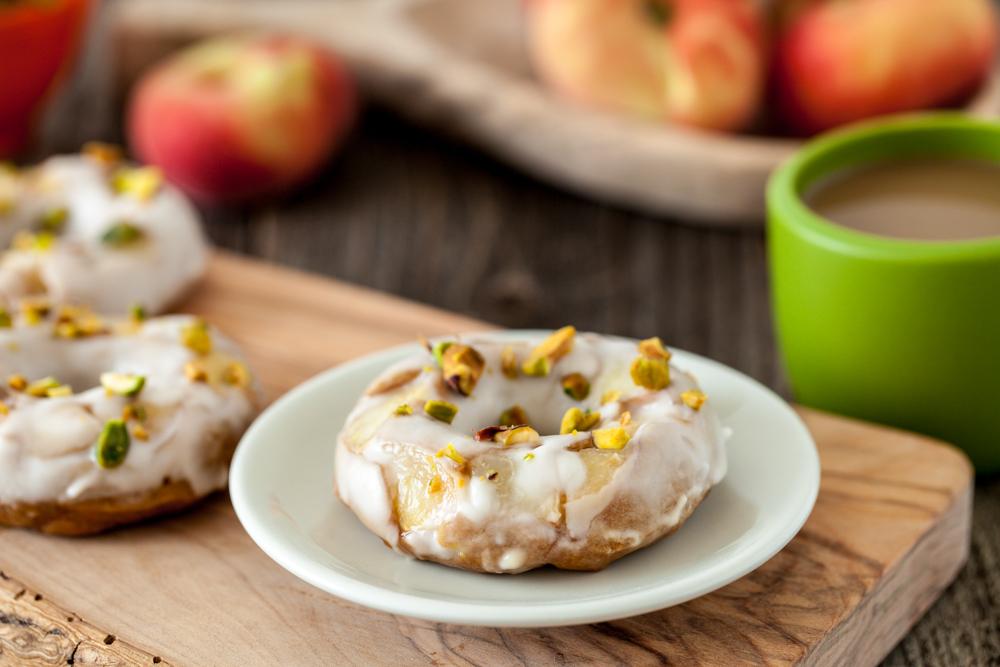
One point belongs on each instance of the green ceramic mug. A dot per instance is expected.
(900, 332)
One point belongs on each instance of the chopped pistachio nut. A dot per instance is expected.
(140, 182)
(41, 387)
(441, 411)
(140, 432)
(17, 382)
(529, 456)
(492, 475)
(461, 366)
(610, 397)
(121, 234)
(404, 409)
(67, 330)
(112, 445)
(451, 453)
(133, 410)
(576, 386)
(102, 152)
(73, 322)
(54, 219)
(5, 321)
(26, 241)
(653, 374)
(237, 374)
(516, 436)
(508, 363)
(434, 485)
(626, 418)
(197, 337)
(138, 312)
(694, 399)
(514, 417)
(438, 351)
(34, 310)
(611, 438)
(122, 384)
(539, 362)
(489, 433)
(61, 390)
(195, 372)
(653, 348)
(3, 408)
(576, 420)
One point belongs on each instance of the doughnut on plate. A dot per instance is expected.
(282, 491)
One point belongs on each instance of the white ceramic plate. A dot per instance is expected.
(282, 489)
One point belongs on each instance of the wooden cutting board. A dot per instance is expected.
(889, 531)
(460, 66)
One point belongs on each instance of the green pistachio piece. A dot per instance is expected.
(41, 387)
(653, 374)
(438, 351)
(461, 367)
(611, 438)
(441, 411)
(576, 420)
(197, 337)
(508, 363)
(404, 410)
(553, 348)
(121, 235)
(112, 445)
(54, 219)
(237, 374)
(576, 386)
(514, 417)
(516, 436)
(694, 399)
(138, 312)
(61, 390)
(120, 383)
(141, 183)
(653, 348)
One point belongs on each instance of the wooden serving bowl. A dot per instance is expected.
(37, 43)
(460, 66)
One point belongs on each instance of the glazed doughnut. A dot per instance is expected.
(501, 455)
(107, 422)
(91, 229)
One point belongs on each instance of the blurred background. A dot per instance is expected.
(482, 174)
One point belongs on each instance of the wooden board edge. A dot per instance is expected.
(902, 595)
(35, 632)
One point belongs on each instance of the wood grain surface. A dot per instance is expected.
(460, 66)
(880, 546)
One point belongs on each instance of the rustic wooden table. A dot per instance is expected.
(410, 213)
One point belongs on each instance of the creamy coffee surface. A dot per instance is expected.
(933, 199)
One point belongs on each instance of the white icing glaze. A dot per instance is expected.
(78, 267)
(551, 506)
(47, 444)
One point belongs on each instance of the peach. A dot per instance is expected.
(838, 61)
(242, 117)
(694, 62)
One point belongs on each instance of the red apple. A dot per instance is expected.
(838, 61)
(242, 117)
(695, 62)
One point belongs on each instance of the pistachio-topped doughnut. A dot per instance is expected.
(107, 422)
(92, 229)
(501, 455)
